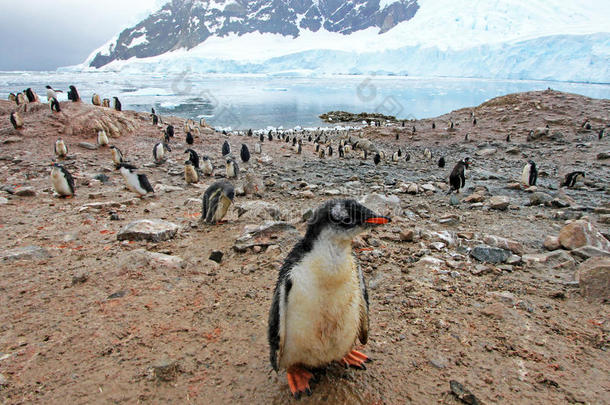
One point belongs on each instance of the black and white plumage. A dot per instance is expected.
(330, 150)
(457, 178)
(135, 182)
(320, 302)
(62, 181)
(206, 166)
(407, 157)
(232, 168)
(377, 158)
(55, 105)
(73, 95)
(16, 120)
(190, 173)
(508, 138)
(433, 125)
(169, 131)
(21, 99)
(159, 151)
(117, 104)
(193, 157)
(226, 148)
(61, 150)
(117, 156)
(441, 162)
(261, 137)
(189, 138)
(427, 154)
(31, 95)
(216, 202)
(601, 134)
(244, 153)
(572, 178)
(96, 100)
(155, 119)
(529, 174)
(52, 93)
(102, 138)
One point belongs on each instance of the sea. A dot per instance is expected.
(262, 102)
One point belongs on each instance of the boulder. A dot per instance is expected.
(488, 254)
(594, 279)
(153, 230)
(143, 259)
(551, 243)
(25, 253)
(254, 185)
(499, 202)
(587, 252)
(582, 233)
(382, 205)
(540, 198)
(267, 234)
(474, 198)
(503, 243)
(258, 210)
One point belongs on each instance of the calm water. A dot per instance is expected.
(262, 101)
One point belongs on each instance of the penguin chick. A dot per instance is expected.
(206, 166)
(117, 156)
(232, 168)
(244, 153)
(190, 173)
(106, 103)
(138, 183)
(61, 150)
(62, 181)
(441, 162)
(216, 202)
(16, 120)
(457, 179)
(529, 174)
(193, 157)
(159, 151)
(189, 138)
(102, 138)
(320, 302)
(96, 100)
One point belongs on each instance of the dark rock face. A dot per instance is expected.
(187, 23)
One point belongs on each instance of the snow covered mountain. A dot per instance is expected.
(515, 39)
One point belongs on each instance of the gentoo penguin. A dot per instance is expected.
(96, 100)
(530, 174)
(226, 148)
(427, 154)
(216, 202)
(206, 166)
(258, 148)
(117, 156)
(586, 125)
(244, 153)
(398, 135)
(433, 125)
(341, 151)
(12, 97)
(61, 150)
(202, 122)
(249, 133)
(414, 129)
(193, 157)
(395, 157)
(441, 162)
(73, 95)
(31, 96)
(270, 136)
(457, 179)
(399, 152)
(320, 302)
(190, 173)
(600, 135)
(55, 105)
(508, 138)
(189, 138)
(62, 181)
(21, 99)
(407, 157)
(474, 121)
(102, 138)
(364, 154)
(138, 183)
(466, 137)
(261, 137)
(155, 118)
(159, 152)
(572, 178)
(16, 120)
(169, 131)
(51, 93)
(330, 150)
(117, 104)
(106, 103)
(377, 159)
(232, 168)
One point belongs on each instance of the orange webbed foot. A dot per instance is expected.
(355, 359)
(298, 381)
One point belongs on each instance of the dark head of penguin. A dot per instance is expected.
(73, 95)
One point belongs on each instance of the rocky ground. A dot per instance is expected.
(503, 291)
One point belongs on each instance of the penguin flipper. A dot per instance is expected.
(212, 206)
(69, 179)
(276, 333)
(145, 183)
(363, 330)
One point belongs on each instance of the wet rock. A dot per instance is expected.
(503, 243)
(499, 202)
(382, 205)
(258, 210)
(140, 259)
(551, 243)
(26, 192)
(587, 252)
(454, 200)
(582, 233)
(25, 253)
(490, 254)
(87, 145)
(594, 278)
(269, 233)
(153, 230)
(216, 256)
(166, 371)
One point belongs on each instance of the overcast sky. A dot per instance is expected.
(46, 34)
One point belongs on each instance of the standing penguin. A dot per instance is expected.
(96, 100)
(155, 118)
(529, 174)
(600, 135)
(232, 168)
(441, 162)
(572, 178)
(55, 105)
(216, 202)
(169, 131)
(61, 150)
(206, 166)
(106, 103)
(427, 154)
(117, 156)
(226, 148)
(457, 179)
(62, 181)
(138, 183)
(102, 138)
(21, 99)
(16, 120)
(117, 104)
(73, 95)
(52, 93)
(258, 149)
(244, 153)
(159, 152)
(193, 157)
(377, 159)
(407, 157)
(320, 302)
(12, 97)
(189, 138)
(508, 137)
(330, 150)
(190, 173)
(31, 95)
(395, 156)
(364, 154)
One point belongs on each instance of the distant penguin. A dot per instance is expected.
(202, 122)
(169, 131)
(96, 100)
(395, 157)
(261, 137)
(62, 181)
(61, 150)
(216, 202)
(189, 138)
(330, 150)
(474, 121)
(226, 148)
(299, 148)
(270, 137)
(16, 120)
(441, 162)
(117, 156)
(21, 99)
(51, 93)
(508, 138)
(102, 138)
(601, 134)
(249, 133)
(457, 179)
(587, 125)
(320, 302)
(193, 157)
(414, 129)
(347, 149)
(155, 119)
(451, 125)
(190, 173)
(55, 107)
(232, 169)
(341, 151)
(466, 137)
(106, 103)
(433, 125)
(407, 157)
(427, 154)
(73, 95)
(117, 104)
(12, 97)
(364, 154)
(322, 153)
(572, 178)
(206, 166)
(377, 159)
(258, 149)
(159, 151)
(397, 136)
(137, 183)
(31, 96)
(244, 153)
(529, 174)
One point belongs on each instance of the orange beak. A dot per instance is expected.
(377, 220)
